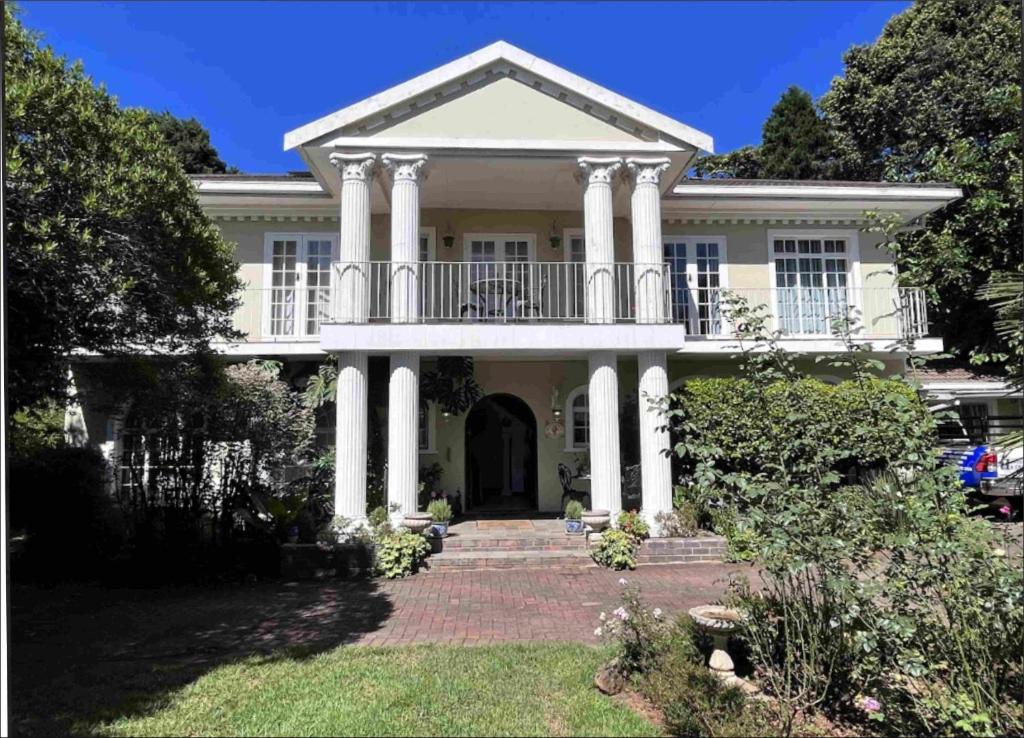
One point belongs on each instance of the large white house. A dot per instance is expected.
(502, 208)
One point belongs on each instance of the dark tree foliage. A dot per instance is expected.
(795, 141)
(107, 247)
(938, 98)
(190, 142)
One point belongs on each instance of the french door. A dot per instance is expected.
(695, 277)
(811, 283)
(299, 296)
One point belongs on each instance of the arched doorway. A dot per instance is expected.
(501, 455)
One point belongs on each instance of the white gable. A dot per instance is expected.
(504, 108)
(558, 101)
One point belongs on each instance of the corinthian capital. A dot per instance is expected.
(646, 171)
(360, 167)
(408, 167)
(598, 170)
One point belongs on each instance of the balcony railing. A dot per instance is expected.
(561, 292)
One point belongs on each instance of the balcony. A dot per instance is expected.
(524, 293)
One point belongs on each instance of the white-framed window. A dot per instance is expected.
(426, 429)
(577, 420)
(697, 275)
(490, 247)
(297, 282)
(813, 277)
(576, 253)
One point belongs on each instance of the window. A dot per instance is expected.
(488, 249)
(811, 282)
(974, 417)
(299, 283)
(428, 251)
(425, 431)
(575, 253)
(695, 280)
(577, 418)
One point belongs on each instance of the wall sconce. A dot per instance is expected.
(556, 403)
(556, 237)
(448, 237)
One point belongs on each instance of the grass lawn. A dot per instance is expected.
(523, 689)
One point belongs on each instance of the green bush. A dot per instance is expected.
(574, 510)
(630, 523)
(615, 550)
(440, 511)
(400, 554)
(741, 426)
(59, 497)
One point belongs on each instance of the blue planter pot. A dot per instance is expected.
(573, 527)
(439, 530)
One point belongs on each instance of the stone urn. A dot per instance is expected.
(718, 622)
(597, 520)
(417, 522)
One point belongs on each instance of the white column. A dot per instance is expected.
(655, 463)
(351, 305)
(599, 238)
(403, 432)
(603, 398)
(406, 174)
(648, 270)
(350, 436)
(404, 386)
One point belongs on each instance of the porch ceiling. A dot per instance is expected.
(501, 179)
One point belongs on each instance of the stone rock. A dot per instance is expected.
(609, 679)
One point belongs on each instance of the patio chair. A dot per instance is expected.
(529, 304)
(581, 496)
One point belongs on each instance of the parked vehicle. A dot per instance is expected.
(993, 472)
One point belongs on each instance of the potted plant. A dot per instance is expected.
(441, 513)
(574, 517)
(598, 520)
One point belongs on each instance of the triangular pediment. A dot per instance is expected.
(502, 107)
(499, 93)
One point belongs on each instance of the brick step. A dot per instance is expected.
(523, 543)
(468, 560)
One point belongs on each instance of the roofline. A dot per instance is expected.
(498, 51)
(800, 189)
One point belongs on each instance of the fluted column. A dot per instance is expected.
(644, 176)
(406, 173)
(403, 432)
(350, 436)
(603, 398)
(597, 175)
(655, 463)
(351, 303)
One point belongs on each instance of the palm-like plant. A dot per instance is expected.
(1005, 292)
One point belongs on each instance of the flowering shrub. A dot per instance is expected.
(634, 526)
(615, 550)
(637, 631)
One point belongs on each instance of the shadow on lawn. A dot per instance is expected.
(83, 655)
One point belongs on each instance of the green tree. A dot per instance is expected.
(795, 144)
(107, 247)
(795, 141)
(938, 97)
(190, 142)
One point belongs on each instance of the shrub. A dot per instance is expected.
(680, 522)
(574, 510)
(400, 554)
(59, 497)
(440, 511)
(637, 632)
(633, 525)
(616, 550)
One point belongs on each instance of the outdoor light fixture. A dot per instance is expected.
(448, 237)
(556, 239)
(556, 403)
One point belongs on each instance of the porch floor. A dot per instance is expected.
(532, 526)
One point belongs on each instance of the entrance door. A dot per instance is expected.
(501, 455)
(695, 281)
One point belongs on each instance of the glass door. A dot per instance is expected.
(300, 284)
(811, 283)
(695, 282)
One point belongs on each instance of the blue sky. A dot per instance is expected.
(252, 71)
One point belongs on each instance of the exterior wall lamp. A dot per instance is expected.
(448, 237)
(556, 238)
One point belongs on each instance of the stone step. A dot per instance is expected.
(515, 543)
(467, 560)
